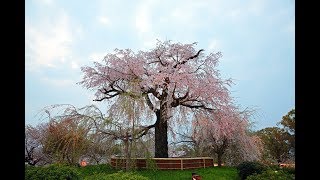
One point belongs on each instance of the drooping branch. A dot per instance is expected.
(114, 133)
(149, 103)
(141, 132)
(105, 91)
(144, 131)
(107, 97)
(177, 100)
(186, 101)
(178, 142)
(220, 148)
(182, 97)
(153, 92)
(198, 68)
(196, 106)
(191, 57)
(158, 61)
(115, 90)
(29, 158)
(108, 92)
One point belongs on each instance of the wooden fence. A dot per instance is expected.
(165, 163)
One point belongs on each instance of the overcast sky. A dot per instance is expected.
(256, 38)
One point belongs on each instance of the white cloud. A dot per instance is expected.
(97, 56)
(104, 20)
(214, 45)
(46, 2)
(48, 44)
(185, 13)
(235, 14)
(256, 7)
(142, 22)
(149, 43)
(58, 82)
(74, 65)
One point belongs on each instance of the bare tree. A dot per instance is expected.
(34, 137)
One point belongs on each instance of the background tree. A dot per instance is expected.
(118, 133)
(288, 123)
(173, 78)
(100, 149)
(66, 140)
(227, 133)
(34, 137)
(275, 143)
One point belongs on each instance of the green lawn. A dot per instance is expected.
(106, 172)
(216, 173)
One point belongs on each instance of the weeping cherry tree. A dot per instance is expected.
(171, 78)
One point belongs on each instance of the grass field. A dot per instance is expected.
(105, 172)
(216, 173)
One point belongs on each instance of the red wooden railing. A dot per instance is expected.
(166, 163)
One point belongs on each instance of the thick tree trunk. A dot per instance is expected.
(220, 150)
(161, 136)
(219, 159)
(127, 154)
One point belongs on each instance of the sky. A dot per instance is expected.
(256, 38)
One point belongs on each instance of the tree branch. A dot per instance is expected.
(192, 57)
(144, 131)
(182, 142)
(201, 106)
(149, 103)
(107, 97)
(160, 61)
(177, 100)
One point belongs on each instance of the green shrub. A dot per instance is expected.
(116, 176)
(248, 168)
(151, 164)
(289, 170)
(271, 175)
(55, 171)
(274, 167)
(96, 169)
